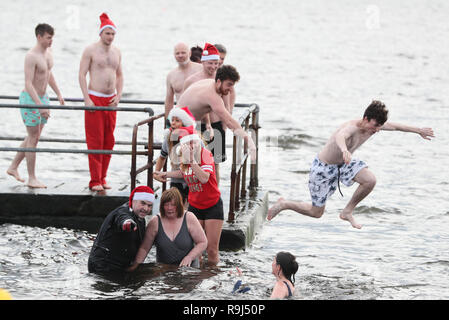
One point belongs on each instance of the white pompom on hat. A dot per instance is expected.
(210, 53)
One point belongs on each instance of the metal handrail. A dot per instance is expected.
(238, 171)
(41, 139)
(149, 165)
(149, 144)
(98, 108)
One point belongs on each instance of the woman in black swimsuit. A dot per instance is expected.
(284, 266)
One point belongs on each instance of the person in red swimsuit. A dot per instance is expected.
(102, 61)
(197, 167)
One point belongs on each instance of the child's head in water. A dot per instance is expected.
(284, 267)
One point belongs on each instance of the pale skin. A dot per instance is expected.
(191, 153)
(172, 225)
(103, 62)
(339, 148)
(38, 75)
(280, 290)
(176, 77)
(205, 96)
(208, 71)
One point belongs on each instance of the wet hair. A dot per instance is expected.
(196, 53)
(288, 264)
(43, 28)
(169, 195)
(378, 111)
(227, 72)
(221, 48)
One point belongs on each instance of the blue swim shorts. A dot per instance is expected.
(323, 178)
(32, 117)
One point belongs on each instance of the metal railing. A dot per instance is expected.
(240, 159)
(150, 145)
(249, 121)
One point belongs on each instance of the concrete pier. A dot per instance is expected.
(74, 206)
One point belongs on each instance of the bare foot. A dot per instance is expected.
(97, 188)
(275, 209)
(106, 186)
(348, 217)
(15, 174)
(36, 184)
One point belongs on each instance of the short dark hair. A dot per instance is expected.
(378, 111)
(169, 195)
(221, 48)
(288, 264)
(196, 53)
(227, 72)
(43, 28)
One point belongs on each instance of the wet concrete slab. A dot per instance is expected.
(72, 205)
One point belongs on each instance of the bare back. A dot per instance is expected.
(354, 138)
(198, 98)
(103, 66)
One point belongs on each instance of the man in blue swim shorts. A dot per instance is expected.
(334, 164)
(38, 75)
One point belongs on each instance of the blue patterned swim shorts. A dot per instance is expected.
(32, 117)
(323, 178)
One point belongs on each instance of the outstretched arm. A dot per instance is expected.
(425, 133)
(217, 106)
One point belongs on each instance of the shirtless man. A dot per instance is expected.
(177, 77)
(102, 61)
(210, 60)
(335, 163)
(206, 95)
(38, 74)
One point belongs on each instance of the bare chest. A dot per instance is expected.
(43, 65)
(356, 141)
(103, 60)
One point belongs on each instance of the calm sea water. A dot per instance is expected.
(310, 65)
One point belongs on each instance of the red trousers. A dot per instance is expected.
(99, 126)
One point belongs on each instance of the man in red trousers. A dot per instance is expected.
(102, 61)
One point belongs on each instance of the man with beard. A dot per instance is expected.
(176, 77)
(206, 95)
(121, 234)
(103, 62)
(211, 127)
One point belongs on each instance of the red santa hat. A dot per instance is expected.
(106, 23)
(184, 114)
(186, 134)
(141, 193)
(210, 53)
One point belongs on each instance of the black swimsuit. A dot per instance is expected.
(289, 290)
